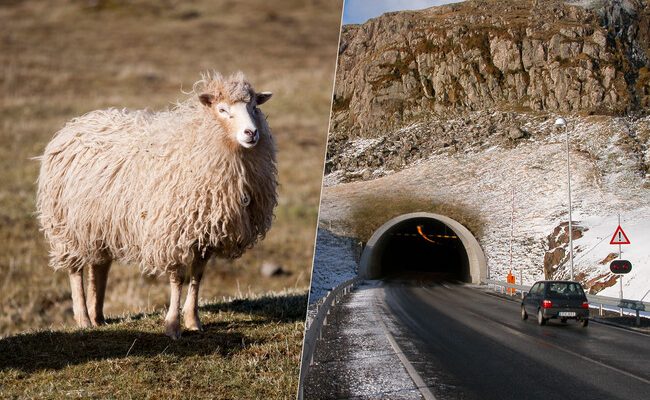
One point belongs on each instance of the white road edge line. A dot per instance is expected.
(417, 379)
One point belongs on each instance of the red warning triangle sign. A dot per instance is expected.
(619, 237)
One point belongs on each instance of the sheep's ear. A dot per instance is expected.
(207, 99)
(262, 97)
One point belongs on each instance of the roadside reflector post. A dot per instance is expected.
(600, 309)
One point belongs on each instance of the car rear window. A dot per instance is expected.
(565, 289)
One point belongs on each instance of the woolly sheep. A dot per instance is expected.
(165, 190)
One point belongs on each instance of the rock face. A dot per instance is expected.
(353, 158)
(394, 150)
(523, 56)
(558, 247)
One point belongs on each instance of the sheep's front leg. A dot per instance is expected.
(97, 278)
(79, 298)
(191, 308)
(172, 319)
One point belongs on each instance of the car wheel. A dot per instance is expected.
(524, 314)
(540, 318)
(584, 322)
(563, 320)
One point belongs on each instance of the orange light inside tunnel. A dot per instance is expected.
(424, 236)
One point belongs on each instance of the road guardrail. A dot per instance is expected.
(313, 328)
(600, 301)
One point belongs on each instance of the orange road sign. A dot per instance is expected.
(619, 237)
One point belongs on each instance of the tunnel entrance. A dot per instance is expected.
(423, 245)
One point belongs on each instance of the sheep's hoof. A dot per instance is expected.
(173, 329)
(84, 323)
(98, 321)
(193, 324)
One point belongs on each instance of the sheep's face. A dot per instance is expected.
(240, 118)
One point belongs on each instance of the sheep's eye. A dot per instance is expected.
(223, 110)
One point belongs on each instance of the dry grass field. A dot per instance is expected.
(250, 350)
(61, 59)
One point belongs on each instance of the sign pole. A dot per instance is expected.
(619, 241)
(620, 267)
(620, 293)
(620, 280)
(512, 224)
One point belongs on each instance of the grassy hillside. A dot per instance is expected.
(250, 350)
(64, 58)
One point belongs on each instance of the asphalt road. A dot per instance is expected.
(466, 344)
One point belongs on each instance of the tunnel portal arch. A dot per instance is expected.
(468, 252)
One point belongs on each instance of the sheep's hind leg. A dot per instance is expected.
(79, 298)
(191, 308)
(172, 319)
(97, 278)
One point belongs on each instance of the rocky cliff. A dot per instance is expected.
(581, 57)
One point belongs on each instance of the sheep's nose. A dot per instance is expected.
(251, 133)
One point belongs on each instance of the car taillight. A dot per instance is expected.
(547, 304)
(585, 304)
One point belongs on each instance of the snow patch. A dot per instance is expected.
(334, 263)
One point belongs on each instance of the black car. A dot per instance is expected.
(556, 299)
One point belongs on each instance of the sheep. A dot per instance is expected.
(165, 190)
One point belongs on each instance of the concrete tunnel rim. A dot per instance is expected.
(475, 255)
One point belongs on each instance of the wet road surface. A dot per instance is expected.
(478, 346)
(412, 340)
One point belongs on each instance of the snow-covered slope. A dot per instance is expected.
(595, 243)
(607, 160)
